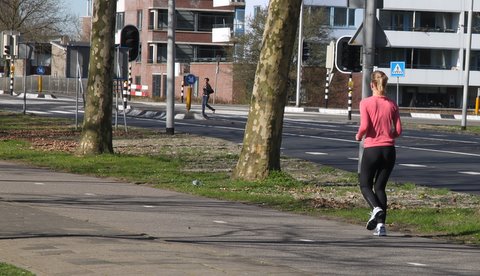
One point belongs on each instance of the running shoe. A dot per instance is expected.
(380, 231)
(374, 215)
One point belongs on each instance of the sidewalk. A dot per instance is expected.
(63, 224)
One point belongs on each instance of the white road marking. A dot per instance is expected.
(148, 206)
(39, 183)
(316, 153)
(89, 194)
(37, 112)
(349, 140)
(220, 221)
(413, 165)
(62, 112)
(417, 264)
(470, 173)
(354, 158)
(305, 240)
(440, 151)
(440, 139)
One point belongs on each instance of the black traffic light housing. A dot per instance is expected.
(348, 57)
(6, 51)
(305, 51)
(130, 38)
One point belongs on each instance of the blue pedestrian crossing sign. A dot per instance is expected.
(397, 68)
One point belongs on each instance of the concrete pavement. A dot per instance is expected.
(55, 223)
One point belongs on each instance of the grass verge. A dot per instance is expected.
(202, 166)
(10, 270)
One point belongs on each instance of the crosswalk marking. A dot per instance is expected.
(470, 173)
(413, 165)
(316, 153)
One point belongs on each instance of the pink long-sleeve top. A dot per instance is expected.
(379, 122)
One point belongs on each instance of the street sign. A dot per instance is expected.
(397, 68)
(190, 79)
(40, 70)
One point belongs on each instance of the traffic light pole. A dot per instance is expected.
(369, 26)
(170, 67)
(368, 45)
(299, 56)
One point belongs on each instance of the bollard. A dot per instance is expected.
(327, 84)
(12, 77)
(188, 101)
(125, 95)
(182, 94)
(477, 105)
(350, 87)
(40, 85)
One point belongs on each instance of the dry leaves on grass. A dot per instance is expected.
(206, 154)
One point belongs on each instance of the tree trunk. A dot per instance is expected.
(97, 125)
(263, 133)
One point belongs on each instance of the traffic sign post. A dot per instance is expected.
(397, 69)
(190, 79)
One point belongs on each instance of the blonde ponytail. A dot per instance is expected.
(379, 79)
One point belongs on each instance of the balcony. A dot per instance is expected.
(230, 3)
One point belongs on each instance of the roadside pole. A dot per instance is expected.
(466, 77)
(369, 29)
(170, 68)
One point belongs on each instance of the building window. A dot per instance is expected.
(207, 21)
(186, 21)
(239, 22)
(339, 17)
(184, 52)
(351, 17)
(139, 19)
(120, 20)
(138, 80)
(396, 20)
(162, 20)
(210, 53)
(158, 19)
(161, 53)
(139, 57)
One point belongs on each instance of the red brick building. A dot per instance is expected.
(203, 42)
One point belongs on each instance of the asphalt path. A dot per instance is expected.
(56, 223)
(430, 158)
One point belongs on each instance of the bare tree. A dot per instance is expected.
(97, 125)
(263, 134)
(36, 20)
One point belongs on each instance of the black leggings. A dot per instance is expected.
(377, 164)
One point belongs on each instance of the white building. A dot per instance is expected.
(429, 36)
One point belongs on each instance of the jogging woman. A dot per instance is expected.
(379, 124)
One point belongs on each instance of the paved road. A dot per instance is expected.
(64, 224)
(428, 158)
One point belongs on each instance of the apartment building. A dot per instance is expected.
(429, 36)
(204, 29)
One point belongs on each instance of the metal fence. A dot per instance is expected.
(44, 84)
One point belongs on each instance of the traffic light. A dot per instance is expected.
(305, 51)
(130, 37)
(6, 51)
(348, 57)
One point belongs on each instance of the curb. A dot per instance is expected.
(418, 115)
